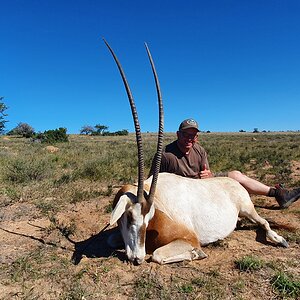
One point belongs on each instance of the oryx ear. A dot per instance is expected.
(119, 209)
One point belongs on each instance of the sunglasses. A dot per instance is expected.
(189, 136)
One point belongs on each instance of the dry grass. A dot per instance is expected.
(53, 206)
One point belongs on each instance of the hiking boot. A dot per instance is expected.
(286, 197)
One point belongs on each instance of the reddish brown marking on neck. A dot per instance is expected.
(142, 234)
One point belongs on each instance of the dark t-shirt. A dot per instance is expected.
(187, 165)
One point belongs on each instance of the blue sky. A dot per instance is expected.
(230, 64)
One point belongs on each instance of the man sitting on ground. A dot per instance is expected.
(186, 157)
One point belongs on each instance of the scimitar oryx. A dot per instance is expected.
(170, 216)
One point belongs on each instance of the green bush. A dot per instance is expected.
(53, 136)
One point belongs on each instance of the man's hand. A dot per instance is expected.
(205, 173)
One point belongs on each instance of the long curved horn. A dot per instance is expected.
(160, 131)
(138, 134)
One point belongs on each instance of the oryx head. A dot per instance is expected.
(133, 206)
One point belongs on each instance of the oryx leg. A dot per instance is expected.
(178, 250)
(253, 216)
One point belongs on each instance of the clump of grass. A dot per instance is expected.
(144, 287)
(199, 281)
(79, 195)
(22, 170)
(249, 263)
(12, 192)
(64, 179)
(208, 286)
(47, 206)
(75, 292)
(28, 292)
(185, 289)
(148, 287)
(24, 268)
(292, 237)
(286, 285)
(108, 191)
(238, 287)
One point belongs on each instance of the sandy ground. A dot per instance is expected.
(22, 231)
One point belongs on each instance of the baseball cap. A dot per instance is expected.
(188, 123)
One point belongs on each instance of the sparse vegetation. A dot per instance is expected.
(54, 204)
(286, 285)
(24, 170)
(249, 263)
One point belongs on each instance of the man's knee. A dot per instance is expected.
(237, 175)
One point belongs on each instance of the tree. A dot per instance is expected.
(100, 129)
(3, 107)
(87, 129)
(23, 129)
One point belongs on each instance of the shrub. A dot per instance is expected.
(24, 170)
(118, 133)
(53, 136)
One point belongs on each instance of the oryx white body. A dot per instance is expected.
(209, 207)
(185, 214)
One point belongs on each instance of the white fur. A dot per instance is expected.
(207, 207)
(127, 206)
(210, 207)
